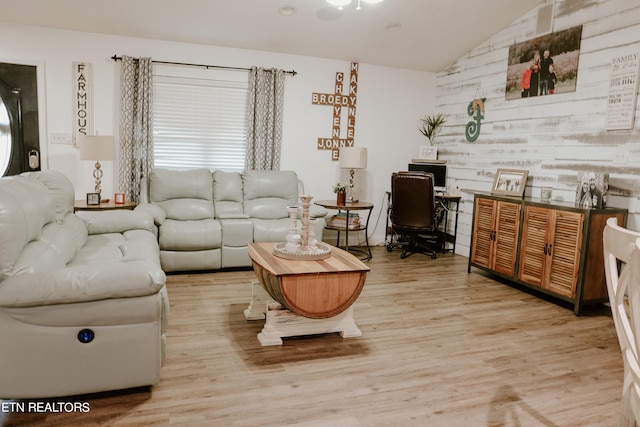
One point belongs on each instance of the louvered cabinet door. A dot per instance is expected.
(564, 252)
(507, 227)
(481, 247)
(533, 250)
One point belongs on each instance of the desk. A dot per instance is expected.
(348, 207)
(444, 205)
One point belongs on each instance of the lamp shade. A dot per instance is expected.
(97, 147)
(353, 158)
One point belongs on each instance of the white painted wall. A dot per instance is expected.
(553, 137)
(390, 102)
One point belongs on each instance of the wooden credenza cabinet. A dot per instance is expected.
(551, 247)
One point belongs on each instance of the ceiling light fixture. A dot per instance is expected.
(392, 27)
(287, 10)
(341, 3)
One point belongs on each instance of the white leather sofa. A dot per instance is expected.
(206, 219)
(83, 302)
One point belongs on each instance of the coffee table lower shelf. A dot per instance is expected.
(282, 323)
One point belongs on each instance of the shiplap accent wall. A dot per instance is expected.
(553, 137)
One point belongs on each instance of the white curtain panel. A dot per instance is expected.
(136, 127)
(264, 117)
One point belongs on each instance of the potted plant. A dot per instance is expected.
(340, 189)
(431, 125)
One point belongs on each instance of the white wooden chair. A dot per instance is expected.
(622, 267)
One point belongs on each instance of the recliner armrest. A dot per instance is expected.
(159, 215)
(317, 211)
(117, 221)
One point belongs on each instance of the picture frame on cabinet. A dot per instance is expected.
(510, 182)
(93, 199)
(592, 190)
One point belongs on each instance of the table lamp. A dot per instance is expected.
(352, 158)
(97, 148)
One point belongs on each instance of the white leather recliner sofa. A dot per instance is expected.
(83, 302)
(206, 219)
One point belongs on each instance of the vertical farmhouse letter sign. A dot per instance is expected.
(82, 86)
(336, 101)
(623, 90)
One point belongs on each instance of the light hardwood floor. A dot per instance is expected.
(440, 347)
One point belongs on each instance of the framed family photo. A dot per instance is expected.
(510, 182)
(545, 65)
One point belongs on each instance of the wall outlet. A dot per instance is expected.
(622, 155)
(60, 138)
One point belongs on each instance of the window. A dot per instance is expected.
(5, 138)
(199, 118)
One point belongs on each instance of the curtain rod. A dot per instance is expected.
(119, 58)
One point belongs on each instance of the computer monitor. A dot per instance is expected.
(439, 171)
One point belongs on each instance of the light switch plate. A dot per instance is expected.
(60, 138)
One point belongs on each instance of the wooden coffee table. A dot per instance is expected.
(305, 297)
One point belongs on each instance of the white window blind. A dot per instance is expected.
(199, 122)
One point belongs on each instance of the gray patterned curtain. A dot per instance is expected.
(136, 136)
(264, 136)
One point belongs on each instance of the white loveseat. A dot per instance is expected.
(83, 303)
(206, 219)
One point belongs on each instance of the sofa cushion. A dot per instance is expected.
(190, 235)
(25, 207)
(268, 193)
(61, 190)
(270, 230)
(187, 209)
(83, 283)
(77, 229)
(228, 194)
(237, 232)
(60, 240)
(184, 195)
(166, 184)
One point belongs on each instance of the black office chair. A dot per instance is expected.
(412, 212)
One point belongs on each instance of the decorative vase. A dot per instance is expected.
(342, 198)
(293, 238)
(306, 202)
(313, 242)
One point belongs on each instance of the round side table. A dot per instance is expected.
(346, 208)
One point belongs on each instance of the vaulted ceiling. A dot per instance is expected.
(425, 35)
